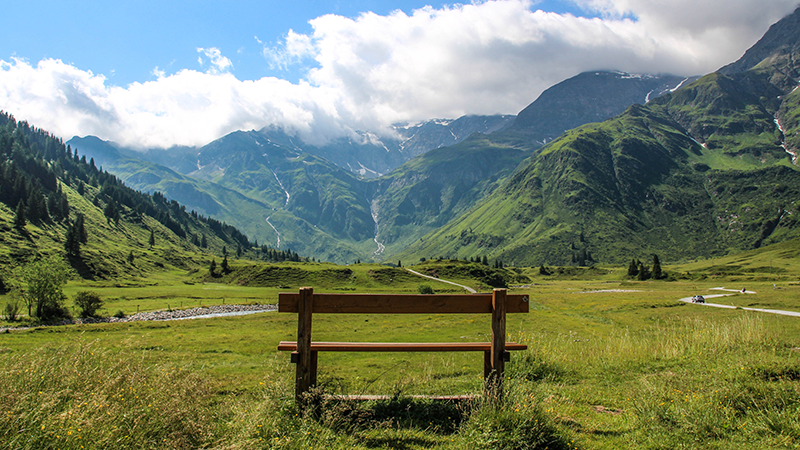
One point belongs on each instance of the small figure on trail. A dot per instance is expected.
(743, 290)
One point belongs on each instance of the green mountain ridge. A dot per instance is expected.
(48, 192)
(323, 209)
(706, 170)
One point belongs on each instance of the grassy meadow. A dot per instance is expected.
(612, 363)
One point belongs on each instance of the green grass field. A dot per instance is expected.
(612, 363)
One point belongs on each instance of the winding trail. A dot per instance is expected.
(467, 288)
(717, 305)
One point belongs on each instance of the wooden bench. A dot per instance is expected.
(306, 303)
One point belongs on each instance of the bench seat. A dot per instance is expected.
(291, 346)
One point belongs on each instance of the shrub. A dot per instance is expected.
(12, 310)
(119, 314)
(425, 289)
(89, 303)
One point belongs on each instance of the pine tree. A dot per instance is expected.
(644, 272)
(110, 211)
(224, 266)
(131, 258)
(80, 229)
(212, 268)
(152, 241)
(633, 268)
(203, 242)
(657, 274)
(72, 243)
(19, 216)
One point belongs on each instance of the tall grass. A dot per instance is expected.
(730, 382)
(79, 395)
(679, 384)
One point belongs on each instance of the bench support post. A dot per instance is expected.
(494, 382)
(306, 367)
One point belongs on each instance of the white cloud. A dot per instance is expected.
(294, 49)
(219, 63)
(482, 58)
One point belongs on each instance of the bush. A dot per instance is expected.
(12, 310)
(425, 289)
(89, 303)
(119, 314)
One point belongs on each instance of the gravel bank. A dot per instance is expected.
(176, 314)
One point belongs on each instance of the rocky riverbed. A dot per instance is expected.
(175, 314)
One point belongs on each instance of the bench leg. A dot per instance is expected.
(494, 382)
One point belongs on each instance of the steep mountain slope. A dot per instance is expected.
(590, 97)
(432, 189)
(52, 201)
(286, 192)
(245, 179)
(698, 172)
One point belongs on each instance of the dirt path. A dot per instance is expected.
(467, 288)
(718, 305)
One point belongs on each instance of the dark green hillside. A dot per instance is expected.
(706, 170)
(431, 189)
(47, 190)
(246, 178)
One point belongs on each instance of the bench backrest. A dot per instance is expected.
(401, 303)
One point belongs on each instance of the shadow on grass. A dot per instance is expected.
(399, 443)
(353, 415)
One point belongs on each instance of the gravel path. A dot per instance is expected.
(204, 312)
(466, 288)
(718, 305)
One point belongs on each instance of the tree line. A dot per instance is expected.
(32, 162)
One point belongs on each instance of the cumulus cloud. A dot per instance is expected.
(372, 70)
(217, 62)
(292, 50)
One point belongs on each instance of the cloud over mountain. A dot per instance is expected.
(372, 70)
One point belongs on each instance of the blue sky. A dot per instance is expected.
(126, 40)
(153, 74)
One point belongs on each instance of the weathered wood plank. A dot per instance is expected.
(402, 303)
(304, 364)
(290, 346)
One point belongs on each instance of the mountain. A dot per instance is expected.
(245, 178)
(705, 170)
(55, 202)
(328, 201)
(590, 97)
(438, 186)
